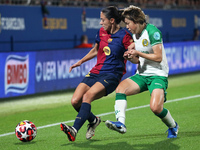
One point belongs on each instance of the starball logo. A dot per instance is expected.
(16, 74)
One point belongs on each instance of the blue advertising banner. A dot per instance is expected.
(16, 74)
(25, 73)
(52, 69)
(183, 57)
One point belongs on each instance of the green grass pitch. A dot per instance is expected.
(144, 130)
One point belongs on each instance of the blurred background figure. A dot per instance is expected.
(84, 42)
(196, 35)
(45, 12)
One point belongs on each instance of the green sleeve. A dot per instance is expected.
(155, 36)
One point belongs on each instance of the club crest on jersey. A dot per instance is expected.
(145, 42)
(110, 40)
(156, 35)
(107, 50)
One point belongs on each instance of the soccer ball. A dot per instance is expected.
(25, 131)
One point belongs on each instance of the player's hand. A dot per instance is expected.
(74, 66)
(125, 55)
(130, 54)
(131, 46)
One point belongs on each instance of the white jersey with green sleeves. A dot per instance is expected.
(151, 36)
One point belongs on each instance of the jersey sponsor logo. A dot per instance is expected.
(110, 40)
(145, 42)
(87, 75)
(106, 81)
(107, 50)
(156, 35)
(158, 84)
(16, 74)
(146, 52)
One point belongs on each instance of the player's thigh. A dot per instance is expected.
(160, 83)
(157, 96)
(97, 91)
(128, 87)
(157, 89)
(157, 100)
(81, 89)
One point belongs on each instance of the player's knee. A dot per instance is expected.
(120, 90)
(87, 97)
(156, 109)
(76, 102)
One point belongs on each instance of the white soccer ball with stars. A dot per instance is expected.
(25, 131)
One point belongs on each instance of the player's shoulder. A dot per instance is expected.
(153, 32)
(123, 33)
(123, 30)
(151, 28)
(101, 30)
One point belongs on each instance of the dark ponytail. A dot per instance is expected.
(113, 12)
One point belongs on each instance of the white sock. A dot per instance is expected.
(120, 109)
(168, 120)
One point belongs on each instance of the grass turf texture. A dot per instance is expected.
(144, 130)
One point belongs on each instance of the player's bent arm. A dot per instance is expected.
(91, 54)
(156, 56)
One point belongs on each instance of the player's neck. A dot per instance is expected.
(114, 29)
(141, 28)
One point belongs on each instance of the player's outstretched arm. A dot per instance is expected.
(75, 65)
(91, 54)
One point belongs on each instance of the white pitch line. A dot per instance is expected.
(104, 114)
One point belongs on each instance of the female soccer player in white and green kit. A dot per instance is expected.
(148, 52)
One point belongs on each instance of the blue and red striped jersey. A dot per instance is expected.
(110, 53)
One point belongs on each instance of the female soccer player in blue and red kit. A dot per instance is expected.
(111, 43)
